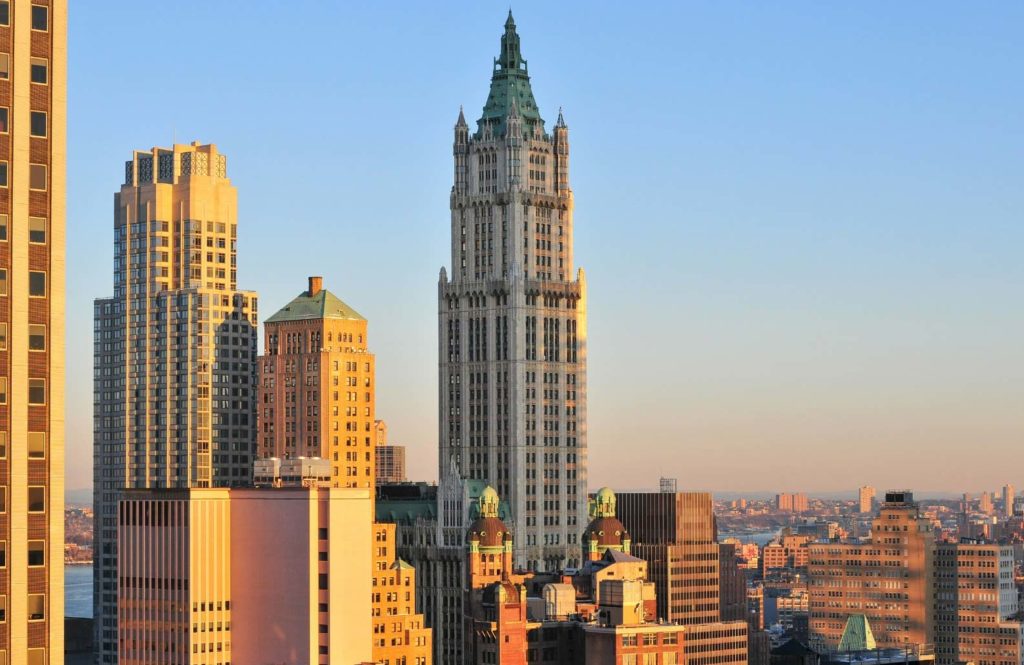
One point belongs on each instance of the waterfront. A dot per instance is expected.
(78, 591)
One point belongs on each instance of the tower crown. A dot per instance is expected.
(510, 81)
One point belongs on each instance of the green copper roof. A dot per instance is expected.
(510, 88)
(857, 635)
(323, 305)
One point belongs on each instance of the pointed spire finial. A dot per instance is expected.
(510, 23)
(462, 118)
(561, 121)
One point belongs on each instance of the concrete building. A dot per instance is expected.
(260, 576)
(732, 585)
(985, 506)
(975, 598)
(888, 580)
(293, 472)
(788, 552)
(174, 349)
(33, 144)
(791, 503)
(1008, 495)
(400, 634)
(866, 499)
(675, 534)
(390, 458)
(317, 387)
(512, 321)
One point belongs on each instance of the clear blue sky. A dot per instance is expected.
(801, 222)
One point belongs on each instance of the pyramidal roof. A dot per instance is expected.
(321, 305)
(510, 92)
(857, 635)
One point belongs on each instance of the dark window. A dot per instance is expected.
(37, 284)
(38, 72)
(37, 230)
(5, 13)
(37, 391)
(323, 580)
(40, 18)
(3, 174)
(36, 337)
(36, 553)
(36, 499)
(38, 124)
(4, 114)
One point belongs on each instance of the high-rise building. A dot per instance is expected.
(1008, 494)
(316, 386)
(33, 140)
(985, 504)
(866, 498)
(390, 458)
(317, 397)
(888, 580)
(791, 503)
(174, 349)
(244, 575)
(675, 534)
(975, 596)
(512, 320)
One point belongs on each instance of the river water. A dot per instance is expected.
(78, 591)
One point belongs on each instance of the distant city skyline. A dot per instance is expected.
(801, 226)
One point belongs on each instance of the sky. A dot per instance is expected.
(801, 223)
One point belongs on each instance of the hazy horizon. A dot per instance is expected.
(801, 225)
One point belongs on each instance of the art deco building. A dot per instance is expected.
(975, 598)
(33, 128)
(887, 580)
(175, 349)
(244, 575)
(512, 320)
(316, 386)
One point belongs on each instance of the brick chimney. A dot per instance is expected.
(316, 285)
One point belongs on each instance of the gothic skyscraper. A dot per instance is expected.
(512, 322)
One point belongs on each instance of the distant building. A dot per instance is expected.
(866, 499)
(985, 506)
(900, 555)
(390, 458)
(1008, 494)
(791, 503)
(787, 552)
(271, 575)
(292, 472)
(732, 585)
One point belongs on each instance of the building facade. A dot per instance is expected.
(675, 533)
(512, 320)
(317, 387)
(888, 580)
(33, 142)
(262, 576)
(975, 598)
(390, 458)
(174, 349)
(866, 499)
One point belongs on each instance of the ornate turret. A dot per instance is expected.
(490, 541)
(605, 531)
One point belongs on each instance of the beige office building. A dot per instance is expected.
(174, 349)
(256, 576)
(888, 580)
(33, 127)
(975, 596)
(866, 499)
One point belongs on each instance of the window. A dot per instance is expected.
(36, 337)
(3, 499)
(5, 19)
(3, 336)
(37, 391)
(37, 230)
(37, 176)
(37, 444)
(37, 553)
(4, 119)
(39, 71)
(3, 553)
(40, 18)
(3, 228)
(36, 499)
(5, 65)
(36, 284)
(37, 657)
(37, 124)
(3, 390)
(36, 605)
(3, 445)
(3, 608)
(3, 174)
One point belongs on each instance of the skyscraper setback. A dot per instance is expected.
(175, 349)
(33, 128)
(512, 320)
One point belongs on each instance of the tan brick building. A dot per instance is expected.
(316, 386)
(33, 128)
(888, 580)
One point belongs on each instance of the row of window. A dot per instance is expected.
(36, 553)
(39, 69)
(40, 18)
(36, 283)
(36, 229)
(36, 499)
(36, 391)
(36, 176)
